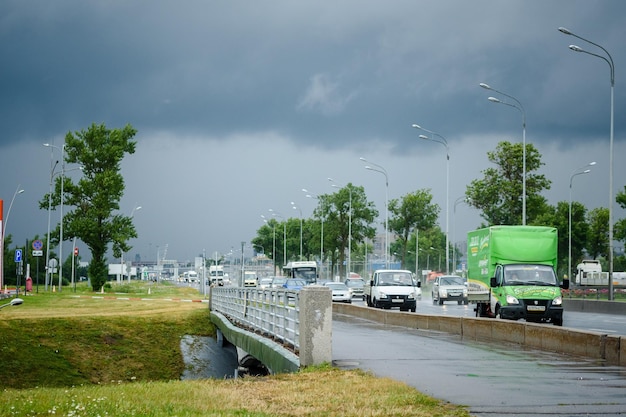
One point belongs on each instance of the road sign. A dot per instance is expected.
(37, 244)
(18, 255)
(37, 253)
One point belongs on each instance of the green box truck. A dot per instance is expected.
(511, 273)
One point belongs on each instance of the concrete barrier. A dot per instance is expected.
(594, 345)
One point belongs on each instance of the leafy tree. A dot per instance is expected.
(598, 220)
(499, 194)
(339, 224)
(93, 201)
(620, 227)
(559, 217)
(414, 211)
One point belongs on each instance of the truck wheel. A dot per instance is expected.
(459, 302)
(413, 309)
(558, 321)
(440, 302)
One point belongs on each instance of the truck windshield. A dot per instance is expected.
(529, 275)
(401, 279)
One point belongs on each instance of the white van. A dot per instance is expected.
(392, 288)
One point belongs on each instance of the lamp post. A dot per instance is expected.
(349, 226)
(436, 137)
(3, 224)
(609, 60)
(295, 207)
(273, 243)
(123, 267)
(384, 172)
(519, 107)
(576, 172)
(322, 227)
(277, 214)
(62, 150)
(456, 203)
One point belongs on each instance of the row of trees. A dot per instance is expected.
(344, 219)
(498, 197)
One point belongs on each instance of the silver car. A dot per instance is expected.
(340, 291)
(449, 288)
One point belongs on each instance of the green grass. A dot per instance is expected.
(118, 354)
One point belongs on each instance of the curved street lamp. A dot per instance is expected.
(62, 150)
(609, 60)
(576, 172)
(4, 222)
(273, 243)
(295, 207)
(523, 112)
(383, 171)
(277, 214)
(436, 137)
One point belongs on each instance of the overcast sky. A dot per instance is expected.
(241, 104)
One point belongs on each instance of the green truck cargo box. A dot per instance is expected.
(511, 273)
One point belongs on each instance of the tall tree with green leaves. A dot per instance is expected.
(91, 206)
(598, 220)
(499, 193)
(620, 226)
(340, 223)
(414, 211)
(559, 217)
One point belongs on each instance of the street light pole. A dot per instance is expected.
(3, 224)
(277, 214)
(273, 244)
(62, 150)
(612, 68)
(384, 172)
(122, 266)
(576, 172)
(349, 226)
(322, 227)
(295, 207)
(441, 140)
(458, 201)
(523, 112)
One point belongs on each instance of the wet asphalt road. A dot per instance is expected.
(492, 380)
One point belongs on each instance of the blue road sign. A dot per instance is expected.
(18, 255)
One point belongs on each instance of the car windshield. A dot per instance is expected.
(336, 285)
(400, 279)
(451, 281)
(529, 275)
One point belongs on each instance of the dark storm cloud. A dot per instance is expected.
(349, 71)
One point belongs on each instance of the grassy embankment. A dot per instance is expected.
(86, 354)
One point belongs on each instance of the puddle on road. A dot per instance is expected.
(205, 358)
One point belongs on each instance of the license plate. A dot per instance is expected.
(536, 308)
(397, 300)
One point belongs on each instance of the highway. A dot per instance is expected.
(491, 379)
(613, 324)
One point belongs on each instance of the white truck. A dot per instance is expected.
(250, 279)
(216, 275)
(392, 288)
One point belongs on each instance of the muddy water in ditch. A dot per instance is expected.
(205, 358)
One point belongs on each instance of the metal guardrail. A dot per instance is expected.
(273, 313)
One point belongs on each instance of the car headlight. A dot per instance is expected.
(511, 300)
(464, 292)
(557, 301)
(411, 296)
(383, 295)
(443, 293)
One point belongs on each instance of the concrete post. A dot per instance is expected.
(316, 318)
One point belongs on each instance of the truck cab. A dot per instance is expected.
(527, 291)
(389, 288)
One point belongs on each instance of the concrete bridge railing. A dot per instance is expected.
(274, 325)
